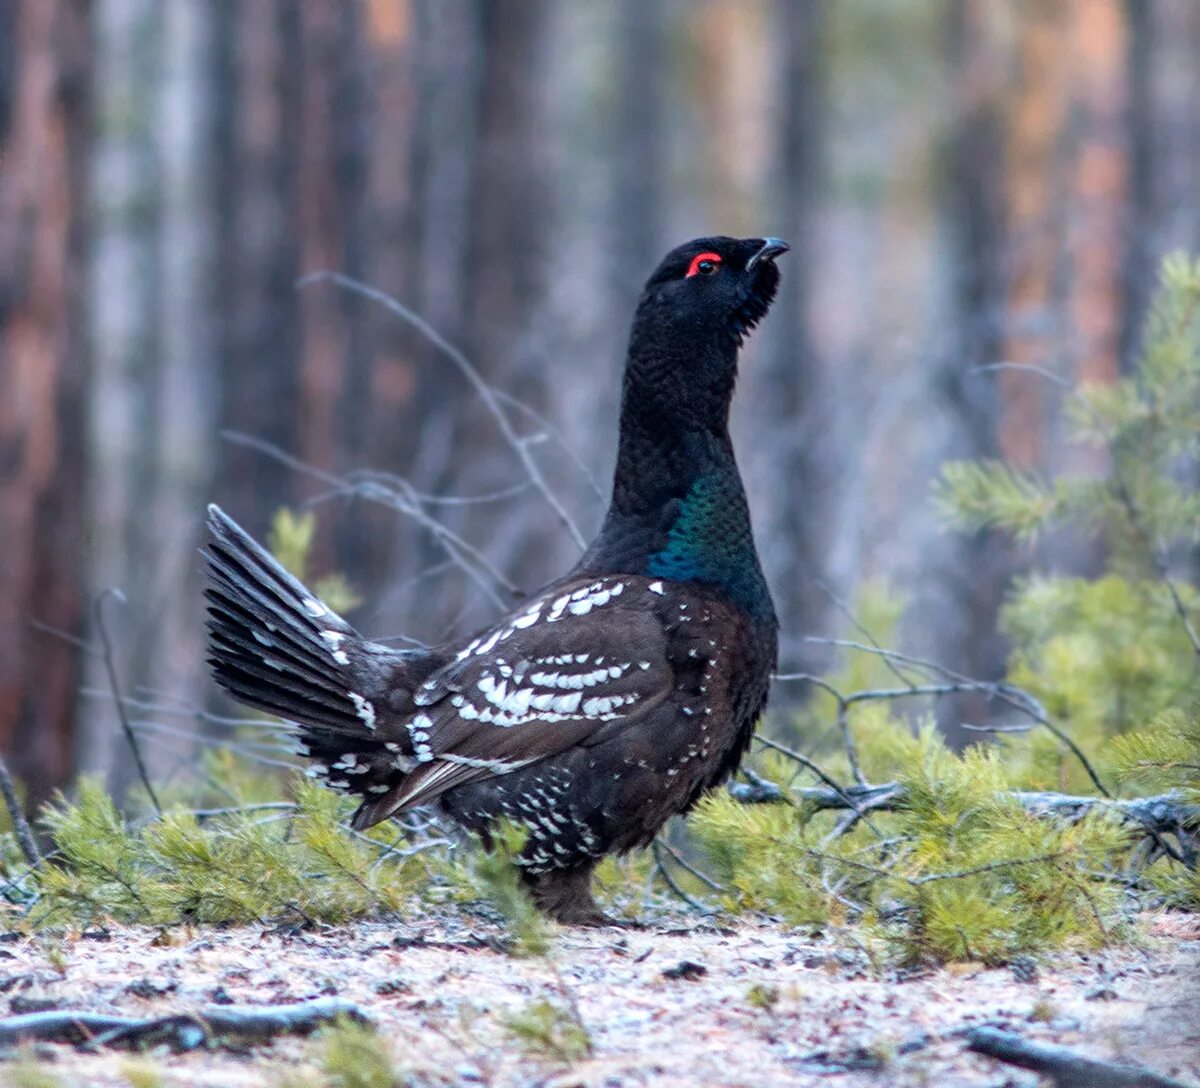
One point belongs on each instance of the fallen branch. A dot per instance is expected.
(211, 1025)
(1066, 1068)
(1164, 814)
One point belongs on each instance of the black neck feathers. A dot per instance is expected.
(678, 507)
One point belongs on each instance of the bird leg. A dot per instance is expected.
(566, 895)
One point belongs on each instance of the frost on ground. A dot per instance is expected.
(674, 1004)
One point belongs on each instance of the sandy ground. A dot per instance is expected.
(440, 995)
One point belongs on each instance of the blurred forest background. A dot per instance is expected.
(964, 183)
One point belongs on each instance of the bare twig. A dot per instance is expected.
(672, 883)
(914, 690)
(485, 392)
(683, 863)
(843, 722)
(1028, 368)
(464, 554)
(556, 434)
(20, 824)
(66, 636)
(1154, 551)
(247, 750)
(987, 867)
(860, 627)
(1019, 727)
(804, 761)
(115, 686)
(239, 810)
(1016, 697)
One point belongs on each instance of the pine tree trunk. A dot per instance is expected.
(1100, 187)
(1035, 212)
(795, 480)
(257, 305)
(971, 573)
(150, 418)
(44, 132)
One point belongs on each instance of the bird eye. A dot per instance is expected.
(703, 264)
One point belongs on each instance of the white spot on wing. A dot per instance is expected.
(567, 704)
(490, 644)
(364, 708)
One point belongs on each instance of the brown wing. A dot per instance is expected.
(563, 672)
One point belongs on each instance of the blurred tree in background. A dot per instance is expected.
(964, 184)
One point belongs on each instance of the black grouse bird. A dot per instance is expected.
(617, 695)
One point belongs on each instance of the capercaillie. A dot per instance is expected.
(612, 699)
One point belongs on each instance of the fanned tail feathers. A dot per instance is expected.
(273, 645)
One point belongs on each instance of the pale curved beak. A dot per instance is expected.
(771, 248)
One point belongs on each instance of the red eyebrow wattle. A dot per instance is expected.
(694, 267)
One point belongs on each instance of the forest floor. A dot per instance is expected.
(760, 1005)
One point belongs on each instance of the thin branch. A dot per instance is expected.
(673, 884)
(66, 636)
(481, 387)
(860, 627)
(683, 863)
(804, 761)
(502, 494)
(1019, 727)
(157, 731)
(239, 810)
(115, 687)
(20, 824)
(464, 554)
(870, 694)
(1014, 696)
(987, 867)
(1154, 551)
(554, 433)
(1028, 368)
(843, 720)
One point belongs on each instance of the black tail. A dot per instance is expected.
(274, 645)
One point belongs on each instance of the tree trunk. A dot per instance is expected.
(150, 422)
(1100, 187)
(971, 573)
(795, 475)
(44, 130)
(1035, 210)
(258, 313)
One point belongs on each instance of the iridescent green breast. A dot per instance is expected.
(711, 542)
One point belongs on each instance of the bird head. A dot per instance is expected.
(696, 309)
(717, 287)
